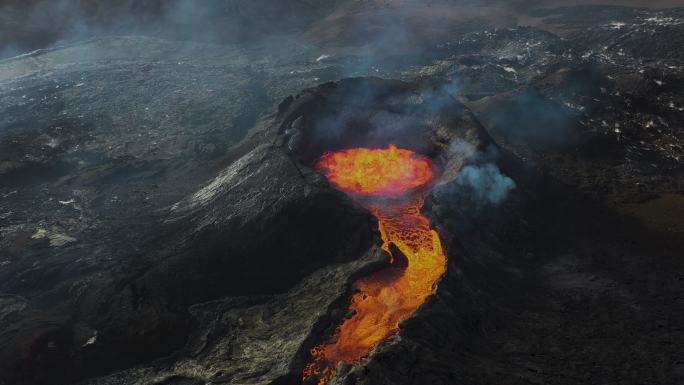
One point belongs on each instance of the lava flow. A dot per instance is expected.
(388, 182)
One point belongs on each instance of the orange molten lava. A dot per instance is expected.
(388, 296)
(379, 172)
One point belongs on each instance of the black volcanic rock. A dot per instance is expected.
(142, 229)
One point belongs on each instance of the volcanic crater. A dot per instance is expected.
(349, 131)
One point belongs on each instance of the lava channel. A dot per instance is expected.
(391, 184)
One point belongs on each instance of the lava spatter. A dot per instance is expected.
(390, 295)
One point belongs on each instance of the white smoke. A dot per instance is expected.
(480, 181)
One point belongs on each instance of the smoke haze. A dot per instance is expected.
(376, 27)
(29, 25)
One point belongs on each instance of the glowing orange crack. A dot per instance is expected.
(390, 295)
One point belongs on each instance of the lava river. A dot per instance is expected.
(391, 183)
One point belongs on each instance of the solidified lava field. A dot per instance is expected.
(288, 192)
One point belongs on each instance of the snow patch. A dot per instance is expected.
(91, 340)
(58, 240)
(40, 234)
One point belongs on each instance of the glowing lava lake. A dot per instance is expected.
(391, 184)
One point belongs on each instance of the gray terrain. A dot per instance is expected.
(161, 221)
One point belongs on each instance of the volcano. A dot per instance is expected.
(346, 192)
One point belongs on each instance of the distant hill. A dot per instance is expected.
(26, 25)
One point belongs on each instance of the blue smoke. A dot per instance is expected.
(480, 182)
(485, 183)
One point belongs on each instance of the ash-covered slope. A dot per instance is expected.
(160, 222)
